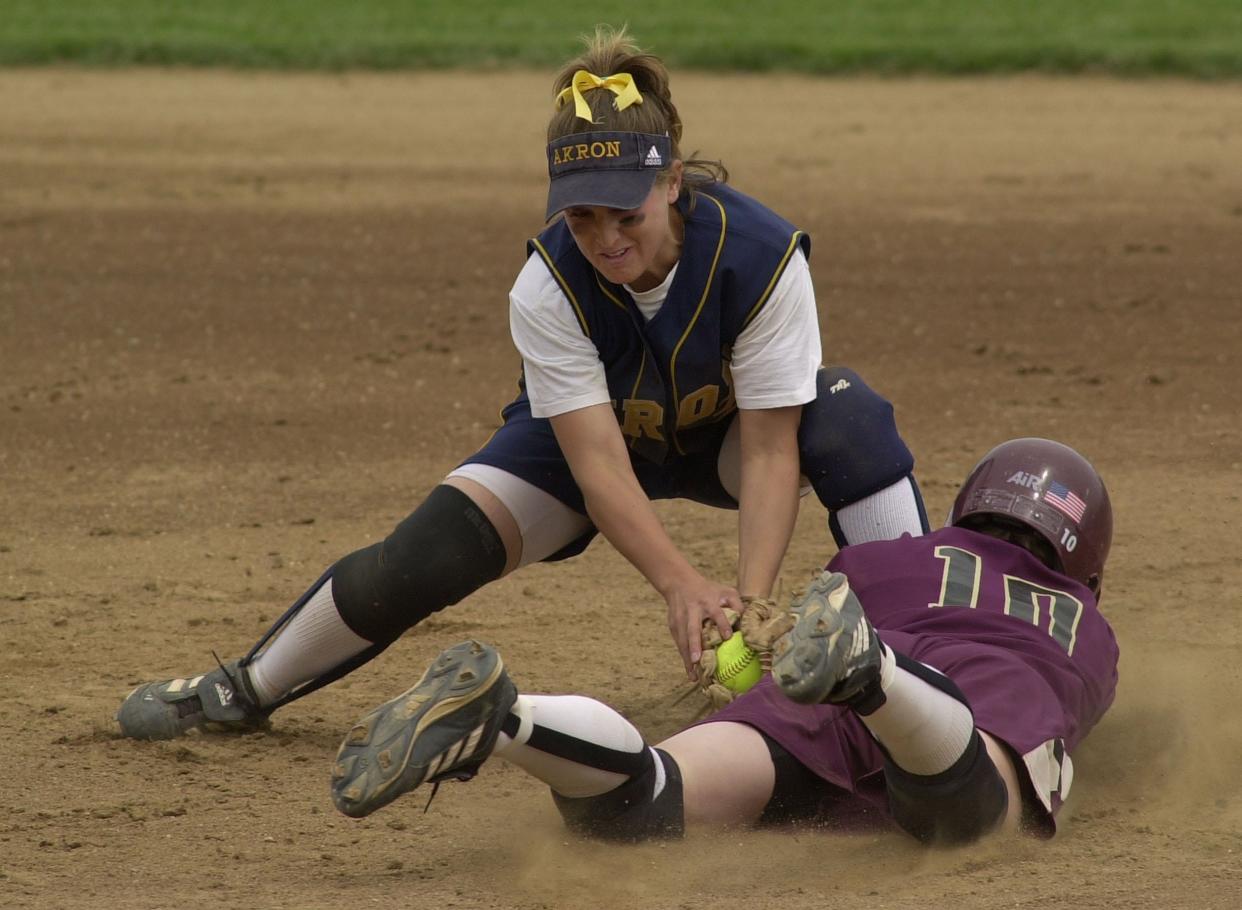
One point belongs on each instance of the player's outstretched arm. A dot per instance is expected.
(592, 444)
(768, 501)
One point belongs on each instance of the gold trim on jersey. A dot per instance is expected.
(711, 276)
(767, 292)
(560, 279)
(609, 294)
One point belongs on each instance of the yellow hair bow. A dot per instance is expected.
(620, 84)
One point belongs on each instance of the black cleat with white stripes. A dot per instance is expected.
(443, 728)
(832, 654)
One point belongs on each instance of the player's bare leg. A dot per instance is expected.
(727, 773)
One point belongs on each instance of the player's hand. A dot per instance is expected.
(689, 604)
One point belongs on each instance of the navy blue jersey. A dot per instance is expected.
(669, 378)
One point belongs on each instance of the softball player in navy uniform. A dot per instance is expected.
(670, 349)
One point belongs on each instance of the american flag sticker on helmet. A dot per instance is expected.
(1065, 499)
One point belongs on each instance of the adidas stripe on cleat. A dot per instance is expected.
(443, 728)
(832, 654)
(219, 700)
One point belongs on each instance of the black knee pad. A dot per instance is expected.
(443, 551)
(630, 813)
(848, 442)
(955, 807)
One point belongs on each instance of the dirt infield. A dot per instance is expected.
(246, 321)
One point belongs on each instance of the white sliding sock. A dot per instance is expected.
(885, 515)
(924, 729)
(582, 727)
(310, 644)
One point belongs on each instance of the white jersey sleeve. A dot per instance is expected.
(561, 364)
(776, 357)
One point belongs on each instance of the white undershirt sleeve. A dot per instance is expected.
(562, 366)
(776, 357)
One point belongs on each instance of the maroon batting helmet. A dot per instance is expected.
(1051, 489)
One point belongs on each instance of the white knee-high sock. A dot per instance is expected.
(585, 734)
(924, 729)
(885, 515)
(310, 644)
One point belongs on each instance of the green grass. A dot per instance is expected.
(1201, 38)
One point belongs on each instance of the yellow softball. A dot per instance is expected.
(737, 666)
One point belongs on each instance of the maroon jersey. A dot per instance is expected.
(960, 584)
(1027, 645)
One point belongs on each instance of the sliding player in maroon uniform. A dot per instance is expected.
(937, 682)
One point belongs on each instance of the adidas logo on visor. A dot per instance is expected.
(653, 158)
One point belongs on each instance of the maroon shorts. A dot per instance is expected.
(1010, 699)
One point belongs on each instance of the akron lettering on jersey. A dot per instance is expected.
(641, 417)
(584, 150)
